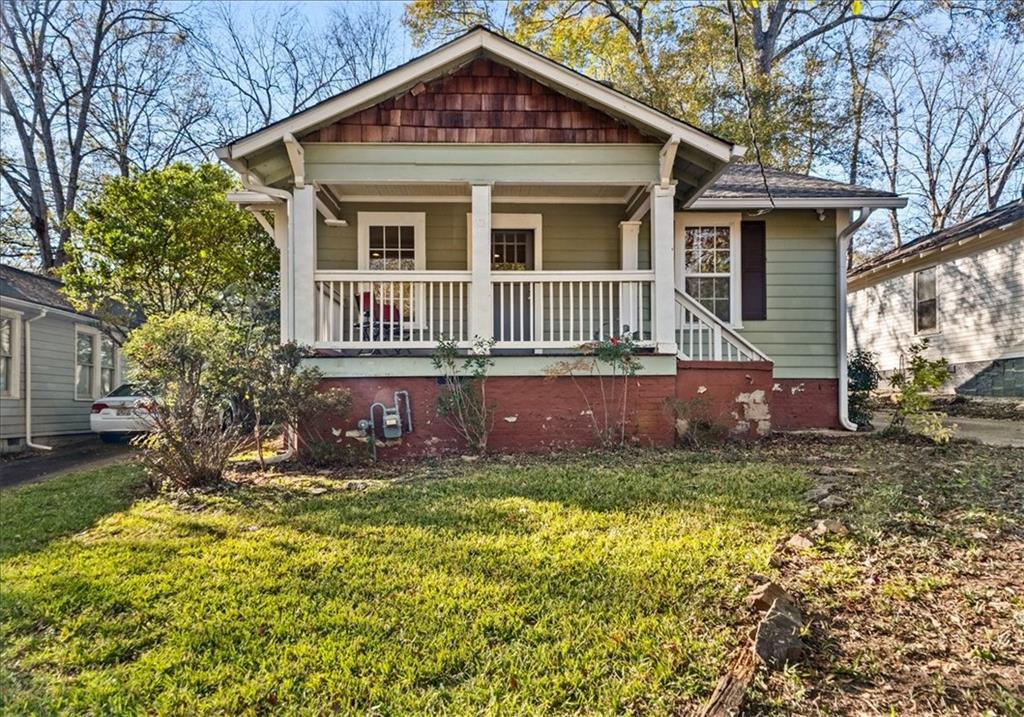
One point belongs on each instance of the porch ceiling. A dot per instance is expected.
(515, 192)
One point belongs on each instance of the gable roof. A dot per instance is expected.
(973, 228)
(474, 42)
(742, 186)
(34, 289)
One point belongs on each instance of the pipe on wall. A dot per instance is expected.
(28, 384)
(842, 246)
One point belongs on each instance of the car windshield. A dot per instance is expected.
(125, 389)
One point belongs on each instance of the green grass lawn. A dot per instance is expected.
(599, 586)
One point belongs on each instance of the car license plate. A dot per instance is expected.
(123, 411)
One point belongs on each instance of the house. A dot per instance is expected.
(483, 190)
(54, 362)
(962, 288)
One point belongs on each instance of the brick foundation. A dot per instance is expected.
(533, 413)
(805, 403)
(732, 395)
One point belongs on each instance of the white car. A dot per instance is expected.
(120, 413)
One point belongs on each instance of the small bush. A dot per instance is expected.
(694, 426)
(183, 364)
(618, 356)
(913, 385)
(463, 401)
(862, 380)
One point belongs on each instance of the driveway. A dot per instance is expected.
(990, 431)
(89, 454)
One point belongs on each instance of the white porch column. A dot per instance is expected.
(481, 303)
(281, 242)
(303, 254)
(662, 260)
(629, 260)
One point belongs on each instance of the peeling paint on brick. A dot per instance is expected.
(511, 419)
(799, 388)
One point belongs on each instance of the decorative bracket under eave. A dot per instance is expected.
(297, 158)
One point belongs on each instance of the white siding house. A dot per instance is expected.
(962, 288)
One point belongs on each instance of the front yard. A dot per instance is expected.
(603, 585)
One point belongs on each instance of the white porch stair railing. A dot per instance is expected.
(702, 336)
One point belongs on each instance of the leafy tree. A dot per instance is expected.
(914, 385)
(165, 241)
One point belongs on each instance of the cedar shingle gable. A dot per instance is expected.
(481, 102)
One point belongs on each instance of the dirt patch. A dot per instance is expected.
(920, 610)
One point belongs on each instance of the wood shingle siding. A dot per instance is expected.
(481, 102)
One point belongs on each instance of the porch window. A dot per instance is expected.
(85, 359)
(392, 248)
(925, 300)
(708, 266)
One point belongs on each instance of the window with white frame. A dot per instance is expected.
(709, 264)
(85, 360)
(926, 302)
(394, 241)
(96, 363)
(108, 365)
(10, 354)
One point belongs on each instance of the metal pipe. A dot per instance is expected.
(28, 384)
(842, 246)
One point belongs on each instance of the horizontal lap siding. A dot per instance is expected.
(980, 308)
(799, 334)
(54, 410)
(575, 236)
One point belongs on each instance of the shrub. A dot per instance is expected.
(694, 426)
(913, 384)
(618, 356)
(182, 363)
(463, 401)
(862, 380)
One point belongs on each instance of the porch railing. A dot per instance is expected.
(563, 309)
(397, 309)
(702, 336)
(537, 309)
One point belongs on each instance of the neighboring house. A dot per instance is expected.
(485, 190)
(962, 288)
(54, 362)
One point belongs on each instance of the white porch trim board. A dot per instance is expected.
(303, 226)
(481, 294)
(662, 260)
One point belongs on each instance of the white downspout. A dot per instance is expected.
(842, 246)
(28, 384)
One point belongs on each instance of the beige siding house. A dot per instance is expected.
(485, 191)
(962, 288)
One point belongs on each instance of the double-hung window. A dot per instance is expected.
(96, 364)
(926, 301)
(108, 365)
(85, 359)
(10, 354)
(708, 249)
(393, 241)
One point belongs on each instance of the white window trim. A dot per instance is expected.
(913, 280)
(719, 219)
(16, 352)
(95, 335)
(418, 221)
(529, 222)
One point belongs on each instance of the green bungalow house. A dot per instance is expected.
(485, 191)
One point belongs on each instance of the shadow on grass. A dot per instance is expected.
(33, 515)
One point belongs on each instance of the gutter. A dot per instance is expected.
(28, 383)
(842, 246)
